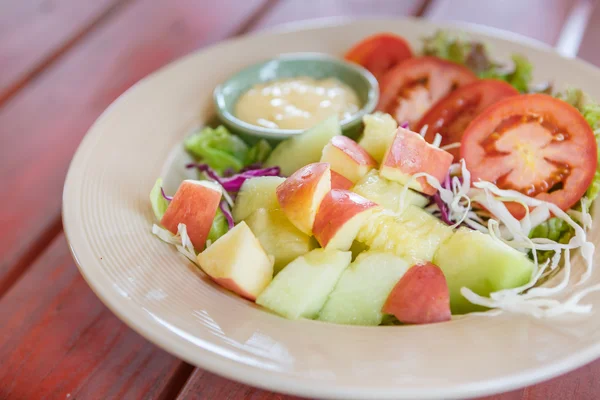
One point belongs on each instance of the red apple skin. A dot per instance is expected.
(232, 285)
(421, 296)
(337, 207)
(195, 206)
(353, 150)
(411, 154)
(298, 195)
(340, 182)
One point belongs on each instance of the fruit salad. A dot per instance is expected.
(468, 190)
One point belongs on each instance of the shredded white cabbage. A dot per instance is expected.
(450, 146)
(529, 299)
(437, 140)
(504, 227)
(181, 241)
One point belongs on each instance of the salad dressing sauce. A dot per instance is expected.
(296, 103)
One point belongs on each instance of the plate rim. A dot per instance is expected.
(278, 381)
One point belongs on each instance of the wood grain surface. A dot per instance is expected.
(35, 32)
(57, 340)
(43, 124)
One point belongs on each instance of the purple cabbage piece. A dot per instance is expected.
(404, 125)
(206, 169)
(445, 214)
(227, 213)
(234, 183)
(251, 167)
(228, 172)
(168, 198)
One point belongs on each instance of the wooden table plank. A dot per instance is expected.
(539, 19)
(57, 340)
(298, 10)
(34, 32)
(42, 125)
(203, 385)
(589, 49)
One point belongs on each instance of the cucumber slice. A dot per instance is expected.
(474, 260)
(306, 148)
(279, 237)
(302, 287)
(363, 289)
(256, 193)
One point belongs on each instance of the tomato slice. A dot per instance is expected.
(379, 53)
(533, 143)
(413, 86)
(452, 114)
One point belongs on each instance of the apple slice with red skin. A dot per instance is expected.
(238, 262)
(410, 154)
(421, 296)
(348, 158)
(340, 217)
(300, 195)
(195, 204)
(339, 182)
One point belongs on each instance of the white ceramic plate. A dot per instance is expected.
(152, 288)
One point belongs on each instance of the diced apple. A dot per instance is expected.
(421, 296)
(410, 154)
(279, 237)
(256, 193)
(238, 262)
(300, 195)
(339, 182)
(363, 289)
(306, 148)
(340, 217)
(195, 204)
(347, 158)
(387, 193)
(302, 287)
(380, 129)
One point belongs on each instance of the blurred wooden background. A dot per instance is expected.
(62, 62)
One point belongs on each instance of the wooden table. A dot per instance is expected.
(62, 62)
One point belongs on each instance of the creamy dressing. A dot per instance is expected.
(296, 103)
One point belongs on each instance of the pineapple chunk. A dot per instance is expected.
(380, 129)
(279, 237)
(256, 193)
(301, 288)
(414, 235)
(387, 193)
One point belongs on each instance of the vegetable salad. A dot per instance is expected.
(468, 190)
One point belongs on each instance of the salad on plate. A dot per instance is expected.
(468, 189)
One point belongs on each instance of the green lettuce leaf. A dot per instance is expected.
(475, 56)
(158, 202)
(218, 148)
(219, 226)
(591, 112)
(554, 229)
(259, 152)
